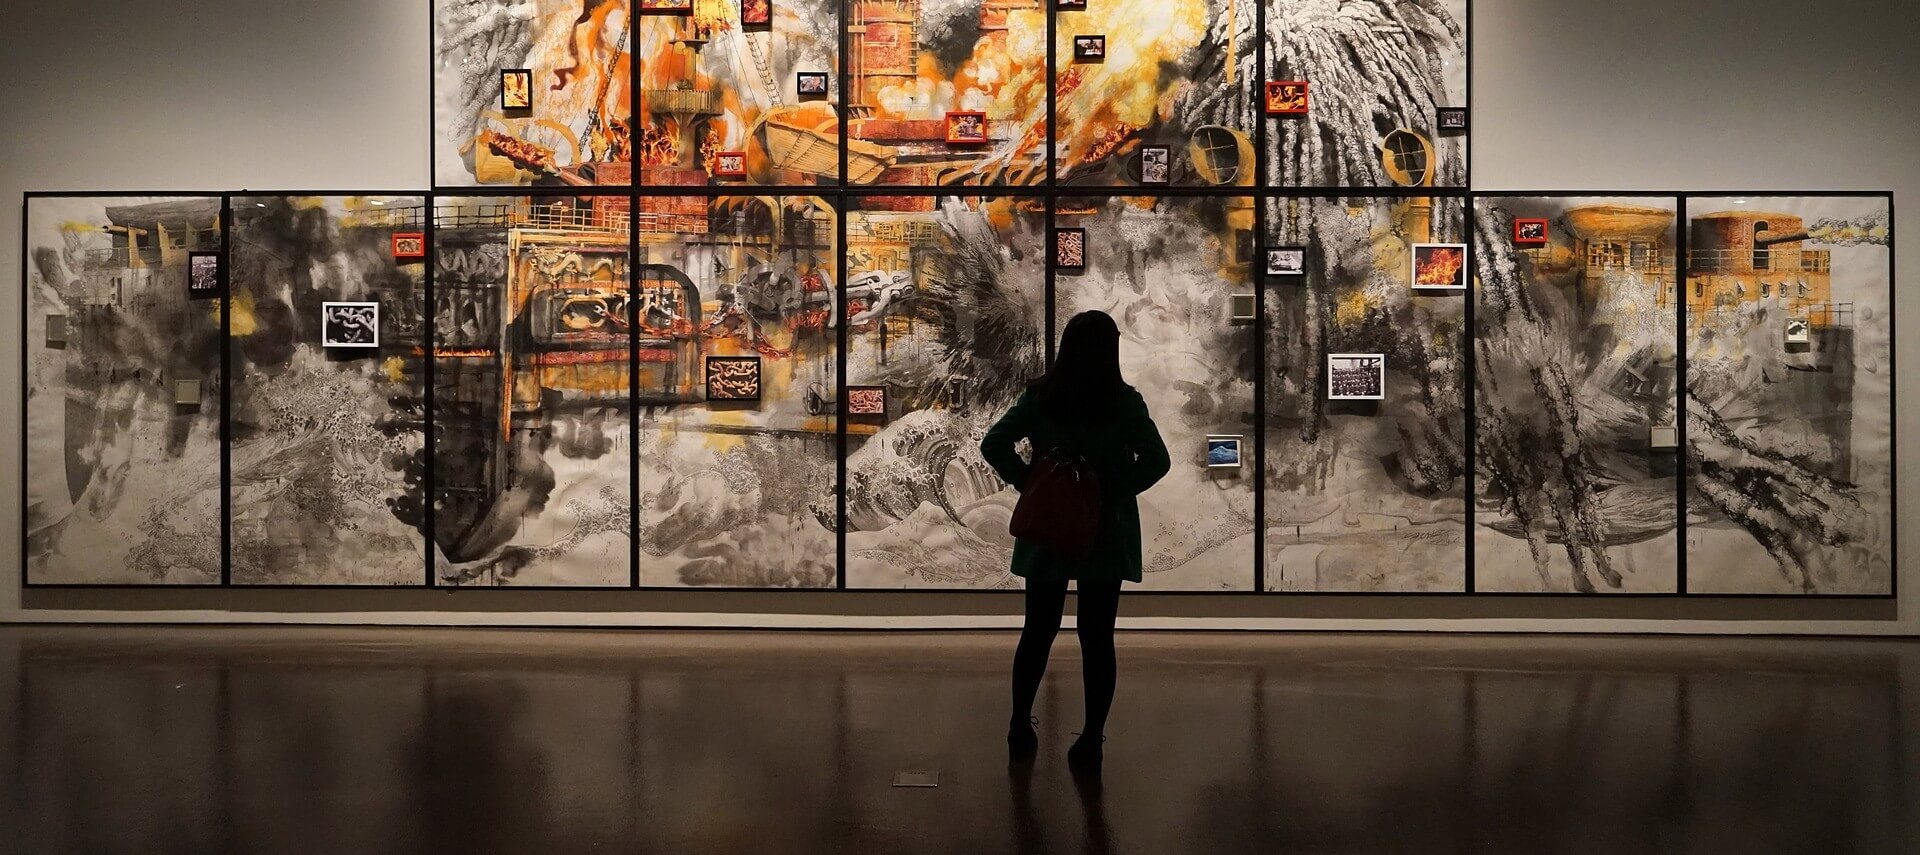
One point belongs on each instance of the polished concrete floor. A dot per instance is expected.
(332, 741)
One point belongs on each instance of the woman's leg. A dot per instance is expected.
(1044, 602)
(1099, 606)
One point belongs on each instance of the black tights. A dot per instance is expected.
(1099, 604)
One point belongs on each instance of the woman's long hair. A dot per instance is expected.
(1085, 381)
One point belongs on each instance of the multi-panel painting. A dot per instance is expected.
(122, 429)
(725, 294)
(1575, 395)
(1365, 488)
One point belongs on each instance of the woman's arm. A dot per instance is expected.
(997, 445)
(1149, 451)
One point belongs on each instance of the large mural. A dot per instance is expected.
(724, 294)
(123, 360)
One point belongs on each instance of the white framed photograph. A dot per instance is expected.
(349, 324)
(1223, 451)
(1440, 266)
(1356, 376)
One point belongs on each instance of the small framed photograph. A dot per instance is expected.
(1799, 332)
(756, 13)
(1286, 261)
(733, 378)
(1243, 307)
(1223, 452)
(1452, 120)
(1529, 231)
(203, 275)
(56, 330)
(810, 84)
(1089, 48)
(1156, 164)
(349, 324)
(966, 127)
(186, 392)
(409, 245)
(1070, 249)
(1286, 97)
(867, 402)
(1356, 377)
(516, 89)
(730, 164)
(666, 7)
(1663, 437)
(1070, 5)
(1440, 266)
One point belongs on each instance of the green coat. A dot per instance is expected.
(1129, 456)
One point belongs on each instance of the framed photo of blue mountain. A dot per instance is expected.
(1223, 451)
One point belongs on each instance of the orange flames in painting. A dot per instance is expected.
(1438, 265)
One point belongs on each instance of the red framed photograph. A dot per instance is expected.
(756, 13)
(409, 245)
(1286, 97)
(966, 127)
(730, 164)
(1529, 231)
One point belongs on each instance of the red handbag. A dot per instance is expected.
(1059, 507)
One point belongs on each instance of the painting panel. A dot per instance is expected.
(1575, 377)
(711, 85)
(946, 309)
(737, 493)
(1180, 75)
(328, 443)
(1166, 269)
(1366, 494)
(947, 94)
(563, 118)
(122, 476)
(532, 418)
(1788, 431)
(1378, 74)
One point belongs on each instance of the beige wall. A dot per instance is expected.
(1569, 94)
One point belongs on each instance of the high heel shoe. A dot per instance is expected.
(1085, 755)
(1023, 738)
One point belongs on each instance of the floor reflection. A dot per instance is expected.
(172, 740)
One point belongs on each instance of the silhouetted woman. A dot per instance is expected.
(1081, 407)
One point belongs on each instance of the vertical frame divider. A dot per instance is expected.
(842, 204)
(633, 382)
(429, 346)
(1683, 458)
(1256, 275)
(226, 387)
(1470, 374)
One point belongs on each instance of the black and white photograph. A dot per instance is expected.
(1356, 376)
(1286, 260)
(349, 324)
(1089, 48)
(1452, 119)
(203, 274)
(810, 84)
(1156, 164)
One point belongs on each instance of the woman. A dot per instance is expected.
(1082, 406)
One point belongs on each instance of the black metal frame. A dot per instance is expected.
(843, 198)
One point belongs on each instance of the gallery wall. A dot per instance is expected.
(213, 119)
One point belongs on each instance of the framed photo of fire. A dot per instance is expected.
(516, 89)
(1439, 267)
